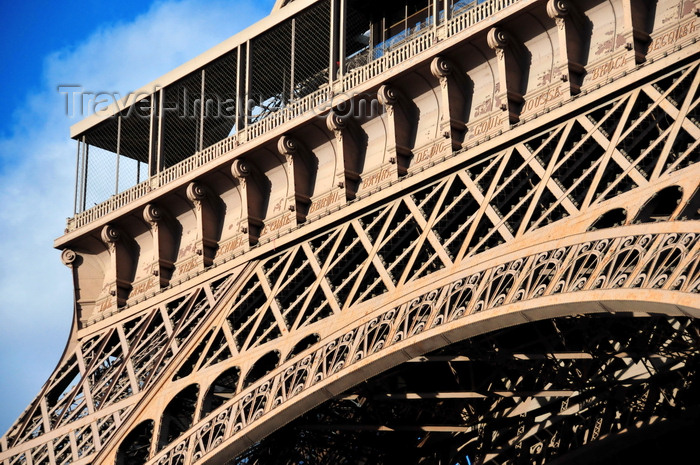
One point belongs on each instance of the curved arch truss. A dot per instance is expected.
(500, 240)
(526, 394)
(513, 230)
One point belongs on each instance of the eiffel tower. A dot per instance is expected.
(406, 232)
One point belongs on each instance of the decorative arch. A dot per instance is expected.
(660, 206)
(534, 392)
(262, 367)
(610, 219)
(302, 345)
(178, 415)
(223, 388)
(135, 448)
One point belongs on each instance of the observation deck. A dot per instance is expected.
(296, 64)
(317, 106)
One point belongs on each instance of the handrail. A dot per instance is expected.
(424, 40)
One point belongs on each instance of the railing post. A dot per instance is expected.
(86, 159)
(240, 94)
(435, 12)
(292, 60)
(151, 154)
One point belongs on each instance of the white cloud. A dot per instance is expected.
(38, 168)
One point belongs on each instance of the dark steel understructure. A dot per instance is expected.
(577, 390)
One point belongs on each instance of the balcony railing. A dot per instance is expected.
(316, 101)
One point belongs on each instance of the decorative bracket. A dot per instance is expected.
(349, 152)
(401, 127)
(636, 27)
(207, 221)
(254, 200)
(456, 93)
(301, 174)
(571, 27)
(164, 242)
(511, 70)
(120, 273)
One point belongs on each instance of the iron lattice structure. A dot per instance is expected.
(518, 297)
(483, 400)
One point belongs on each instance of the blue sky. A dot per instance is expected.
(103, 46)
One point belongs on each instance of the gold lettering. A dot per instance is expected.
(230, 246)
(485, 126)
(143, 286)
(606, 68)
(430, 152)
(671, 37)
(324, 202)
(187, 266)
(104, 305)
(276, 224)
(375, 178)
(542, 99)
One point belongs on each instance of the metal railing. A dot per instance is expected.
(475, 14)
(413, 46)
(395, 57)
(290, 111)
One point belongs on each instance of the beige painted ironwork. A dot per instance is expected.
(505, 177)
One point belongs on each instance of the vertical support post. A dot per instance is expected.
(151, 154)
(291, 74)
(202, 108)
(342, 30)
(436, 11)
(86, 157)
(119, 140)
(248, 64)
(383, 35)
(333, 39)
(240, 94)
(405, 21)
(161, 117)
(77, 180)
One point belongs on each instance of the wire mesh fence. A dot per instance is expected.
(289, 61)
(180, 116)
(270, 77)
(98, 164)
(311, 51)
(113, 156)
(357, 36)
(221, 105)
(405, 22)
(135, 142)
